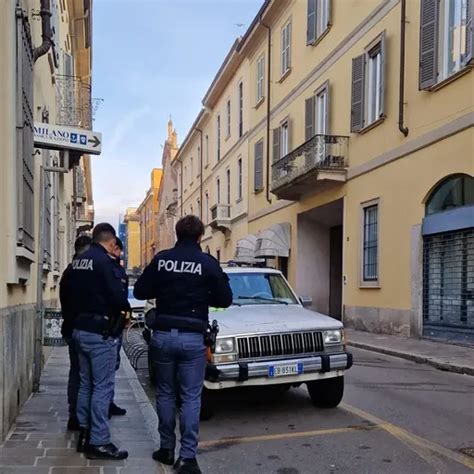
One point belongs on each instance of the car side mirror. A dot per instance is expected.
(306, 301)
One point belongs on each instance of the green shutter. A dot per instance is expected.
(276, 144)
(428, 43)
(309, 118)
(357, 98)
(311, 22)
(258, 170)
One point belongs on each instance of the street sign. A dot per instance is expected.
(56, 137)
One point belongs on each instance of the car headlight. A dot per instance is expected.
(333, 336)
(224, 345)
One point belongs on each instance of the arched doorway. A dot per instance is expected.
(448, 260)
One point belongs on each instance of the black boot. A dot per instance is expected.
(114, 410)
(73, 424)
(83, 440)
(165, 456)
(107, 451)
(187, 466)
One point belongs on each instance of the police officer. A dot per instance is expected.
(185, 282)
(115, 410)
(81, 244)
(98, 296)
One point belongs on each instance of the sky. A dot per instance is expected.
(152, 59)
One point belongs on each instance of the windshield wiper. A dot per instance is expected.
(262, 298)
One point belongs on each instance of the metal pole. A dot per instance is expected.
(39, 287)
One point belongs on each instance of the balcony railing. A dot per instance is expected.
(322, 152)
(220, 216)
(74, 104)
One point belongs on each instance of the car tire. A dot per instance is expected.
(207, 404)
(326, 393)
(151, 368)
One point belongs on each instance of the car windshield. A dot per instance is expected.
(260, 288)
(130, 293)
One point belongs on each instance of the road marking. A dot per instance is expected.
(421, 446)
(298, 434)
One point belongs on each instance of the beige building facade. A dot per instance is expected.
(133, 236)
(45, 202)
(358, 158)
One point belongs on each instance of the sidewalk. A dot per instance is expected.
(443, 356)
(39, 443)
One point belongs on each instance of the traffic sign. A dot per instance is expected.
(57, 137)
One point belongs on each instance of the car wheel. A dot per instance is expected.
(151, 368)
(326, 393)
(207, 404)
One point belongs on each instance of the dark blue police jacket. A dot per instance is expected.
(185, 281)
(97, 287)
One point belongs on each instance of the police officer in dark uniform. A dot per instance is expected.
(81, 244)
(115, 410)
(185, 282)
(98, 297)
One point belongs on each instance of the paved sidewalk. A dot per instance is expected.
(40, 444)
(443, 356)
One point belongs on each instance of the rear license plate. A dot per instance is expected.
(282, 370)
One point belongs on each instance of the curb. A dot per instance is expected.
(447, 367)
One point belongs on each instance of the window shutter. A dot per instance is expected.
(276, 144)
(357, 99)
(428, 43)
(309, 118)
(382, 75)
(469, 31)
(311, 22)
(258, 171)
(326, 119)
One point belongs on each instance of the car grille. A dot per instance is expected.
(252, 347)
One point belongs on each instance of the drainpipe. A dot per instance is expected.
(401, 100)
(269, 69)
(200, 174)
(45, 14)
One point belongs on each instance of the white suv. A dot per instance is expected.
(267, 337)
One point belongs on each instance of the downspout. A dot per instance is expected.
(269, 69)
(46, 33)
(401, 100)
(201, 168)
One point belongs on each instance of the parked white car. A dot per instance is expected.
(138, 307)
(267, 337)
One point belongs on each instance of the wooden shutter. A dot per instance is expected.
(357, 99)
(276, 144)
(258, 170)
(428, 43)
(469, 31)
(311, 22)
(309, 118)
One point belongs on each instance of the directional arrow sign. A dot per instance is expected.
(57, 137)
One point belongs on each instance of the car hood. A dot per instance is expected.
(268, 318)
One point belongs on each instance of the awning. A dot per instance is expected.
(245, 249)
(274, 241)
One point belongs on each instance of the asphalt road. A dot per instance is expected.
(396, 417)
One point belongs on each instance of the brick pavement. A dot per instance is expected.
(39, 442)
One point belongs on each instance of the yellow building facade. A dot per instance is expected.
(358, 158)
(148, 214)
(132, 222)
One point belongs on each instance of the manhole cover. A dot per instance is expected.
(467, 451)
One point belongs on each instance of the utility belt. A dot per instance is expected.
(106, 326)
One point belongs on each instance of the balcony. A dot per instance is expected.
(220, 217)
(318, 163)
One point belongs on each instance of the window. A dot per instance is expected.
(370, 243)
(322, 113)
(218, 138)
(241, 109)
(281, 140)
(206, 197)
(228, 118)
(239, 171)
(207, 150)
(218, 186)
(317, 19)
(191, 170)
(260, 78)
(446, 39)
(285, 49)
(367, 101)
(228, 186)
(199, 161)
(317, 123)
(185, 175)
(258, 170)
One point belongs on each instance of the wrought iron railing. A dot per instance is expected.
(74, 104)
(220, 211)
(319, 152)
